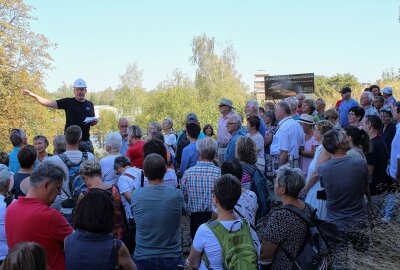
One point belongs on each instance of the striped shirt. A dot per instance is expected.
(197, 186)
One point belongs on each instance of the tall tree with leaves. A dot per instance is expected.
(23, 61)
(217, 75)
(130, 95)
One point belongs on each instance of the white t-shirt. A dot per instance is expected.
(74, 156)
(3, 240)
(247, 206)
(258, 139)
(288, 137)
(170, 140)
(108, 174)
(126, 183)
(207, 241)
(170, 179)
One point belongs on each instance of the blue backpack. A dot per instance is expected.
(259, 186)
(75, 183)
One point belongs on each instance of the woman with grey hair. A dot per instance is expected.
(113, 146)
(207, 148)
(153, 126)
(90, 172)
(246, 152)
(285, 231)
(169, 135)
(135, 142)
(59, 144)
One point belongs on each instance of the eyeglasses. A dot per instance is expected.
(351, 113)
(231, 123)
(387, 109)
(124, 126)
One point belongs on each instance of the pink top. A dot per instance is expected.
(305, 161)
(223, 136)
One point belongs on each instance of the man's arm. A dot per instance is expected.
(283, 157)
(398, 170)
(41, 100)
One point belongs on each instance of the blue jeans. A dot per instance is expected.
(167, 263)
(390, 206)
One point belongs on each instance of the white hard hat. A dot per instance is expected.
(80, 83)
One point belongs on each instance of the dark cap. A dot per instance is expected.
(191, 117)
(345, 90)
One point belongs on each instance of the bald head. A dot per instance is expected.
(300, 97)
(123, 126)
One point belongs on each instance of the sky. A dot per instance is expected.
(96, 40)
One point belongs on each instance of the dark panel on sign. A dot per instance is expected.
(282, 86)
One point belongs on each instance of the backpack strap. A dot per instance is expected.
(301, 214)
(66, 160)
(129, 175)
(309, 224)
(85, 156)
(242, 217)
(249, 169)
(116, 266)
(142, 179)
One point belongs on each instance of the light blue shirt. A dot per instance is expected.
(189, 157)
(14, 163)
(344, 108)
(124, 146)
(230, 150)
(395, 153)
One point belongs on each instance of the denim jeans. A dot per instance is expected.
(389, 207)
(167, 263)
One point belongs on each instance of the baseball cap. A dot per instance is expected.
(80, 83)
(345, 90)
(226, 102)
(191, 117)
(4, 173)
(387, 90)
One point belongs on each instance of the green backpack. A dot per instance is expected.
(237, 247)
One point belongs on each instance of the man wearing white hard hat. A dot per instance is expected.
(78, 111)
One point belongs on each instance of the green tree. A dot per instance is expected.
(23, 62)
(328, 87)
(130, 96)
(107, 123)
(217, 75)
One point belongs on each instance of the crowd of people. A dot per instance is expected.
(67, 210)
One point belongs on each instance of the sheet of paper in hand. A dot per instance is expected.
(89, 120)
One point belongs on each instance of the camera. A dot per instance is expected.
(321, 194)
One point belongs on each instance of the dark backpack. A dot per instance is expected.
(73, 178)
(321, 236)
(259, 185)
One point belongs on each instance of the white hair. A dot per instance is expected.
(293, 101)
(237, 119)
(369, 95)
(207, 148)
(114, 141)
(253, 103)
